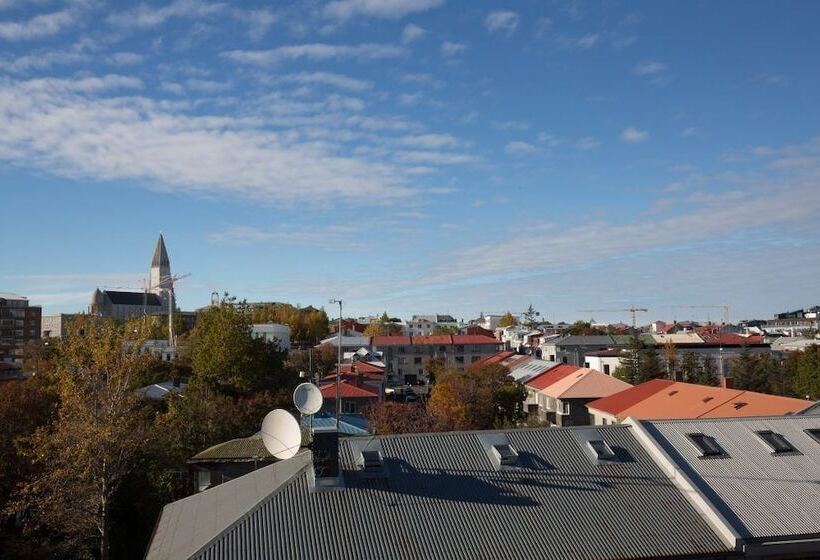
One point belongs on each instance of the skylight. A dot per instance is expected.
(506, 454)
(602, 450)
(371, 460)
(707, 445)
(777, 442)
(814, 433)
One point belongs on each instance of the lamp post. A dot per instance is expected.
(338, 362)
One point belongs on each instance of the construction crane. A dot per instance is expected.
(724, 308)
(633, 310)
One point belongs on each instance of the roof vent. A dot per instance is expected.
(675, 392)
(505, 454)
(707, 399)
(739, 405)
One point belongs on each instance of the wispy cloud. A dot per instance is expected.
(649, 67)
(125, 58)
(330, 79)
(633, 136)
(430, 141)
(450, 48)
(316, 51)
(148, 16)
(587, 143)
(412, 33)
(343, 10)
(327, 237)
(42, 25)
(502, 21)
(519, 148)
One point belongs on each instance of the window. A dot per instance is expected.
(813, 433)
(586, 365)
(348, 407)
(776, 442)
(552, 357)
(707, 445)
(564, 407)
(416, 360)
(606, 369)
(602, 450)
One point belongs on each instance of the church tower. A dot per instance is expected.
(161, 271)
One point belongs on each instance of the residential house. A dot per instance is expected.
(426, 325)
(562, 393)
(665, 399)
(606, 361)
(571, 349)
(565, 493)
(355, 398)
(754, 480)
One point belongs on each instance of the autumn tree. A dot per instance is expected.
(307, 325)
(101, 423)
(584, 328)
(670, 354)
(478, 398)
(445, 329)
(383, 326)
(399, 418)
(507, 320)
(319, 361)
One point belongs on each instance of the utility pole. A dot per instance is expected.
(338, 363)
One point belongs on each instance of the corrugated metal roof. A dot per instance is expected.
(761, 495)
(524, 370)
(444, 498)
(235, 449)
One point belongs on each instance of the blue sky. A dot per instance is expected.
(415, 156)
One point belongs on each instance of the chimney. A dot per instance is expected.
(326, 454)
(727, 383)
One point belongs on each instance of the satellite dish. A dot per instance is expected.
(281, 434)
(308, 398)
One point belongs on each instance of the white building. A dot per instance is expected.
(425, 325)
(273, 332)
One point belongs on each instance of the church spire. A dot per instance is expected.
(160, 254)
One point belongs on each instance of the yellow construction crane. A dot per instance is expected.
(633, 310)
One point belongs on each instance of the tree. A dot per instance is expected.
(383, 326)
(306, 324)
(708, 373)
(507, 320)
(748, 372)
(807, 377)
(82, 458)
(639, 363)
(690, 368)
(584, 328)
(670, 353)
(531, 317)
(478, 398)
(226, 356)
(445, 329)
(397, 418)
(318, 361)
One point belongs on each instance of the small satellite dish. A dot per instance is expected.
(308, 398)
(281, 434)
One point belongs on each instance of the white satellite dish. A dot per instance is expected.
(308, 398)
(281, 434)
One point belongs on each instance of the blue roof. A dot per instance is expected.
(349, 424)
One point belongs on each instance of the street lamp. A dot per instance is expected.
(338, 362)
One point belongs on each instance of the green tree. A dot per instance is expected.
(807, 378)
(690, 368)
(639, 363)
(445, 329)
(531, 317)
(584, 328)
(507, 320)
(101, 423)
(227, 357)
(749, 372)
(708, 372)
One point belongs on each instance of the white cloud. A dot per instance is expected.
(343, 10)
(649, 68)
(259, 22)
(410, 99)
(519, 148)
(587, 143)
(504, 21)
(430, 141)
(44, 59)
(587, 41)
(449, 48)
(433, 158)
(42, 25)
(411, 33)
(420, 78)
(690, 132)
(207, 86)
(634, 136)
(125, 58)
(512, 125)
(330, 79)
(147, 16)
(316, 51)
(73, 128)
(333, 236)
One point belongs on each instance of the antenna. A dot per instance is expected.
(281, 434)
(308, 398)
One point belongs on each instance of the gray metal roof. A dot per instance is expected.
(160, 254)
(530, 368)
(443, 497)
(586, 340)
(760, 495)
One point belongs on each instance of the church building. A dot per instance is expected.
(155, 300)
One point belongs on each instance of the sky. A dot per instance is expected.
(415, 156)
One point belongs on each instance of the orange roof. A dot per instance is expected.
(495, 358)
(435, 339)
(390, 341)
(585, 383)
(346, 391)
(361, 367)
(474, 339)
(544, 380)
(664, 399)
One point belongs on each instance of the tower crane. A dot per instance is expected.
(633, 310)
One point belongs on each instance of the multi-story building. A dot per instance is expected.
(427, 325)
(55, 326)
(19, 322)
(793, 322)
(407, 358)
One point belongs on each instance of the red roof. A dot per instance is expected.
(346, 391)
(730, 339)
(354, 377)
(475, 329)
(474, 339)
(495, 358)
(664, 399)
(390, 341)
(544, 380)
(361, 367)
(617, 403)
(433, 340)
